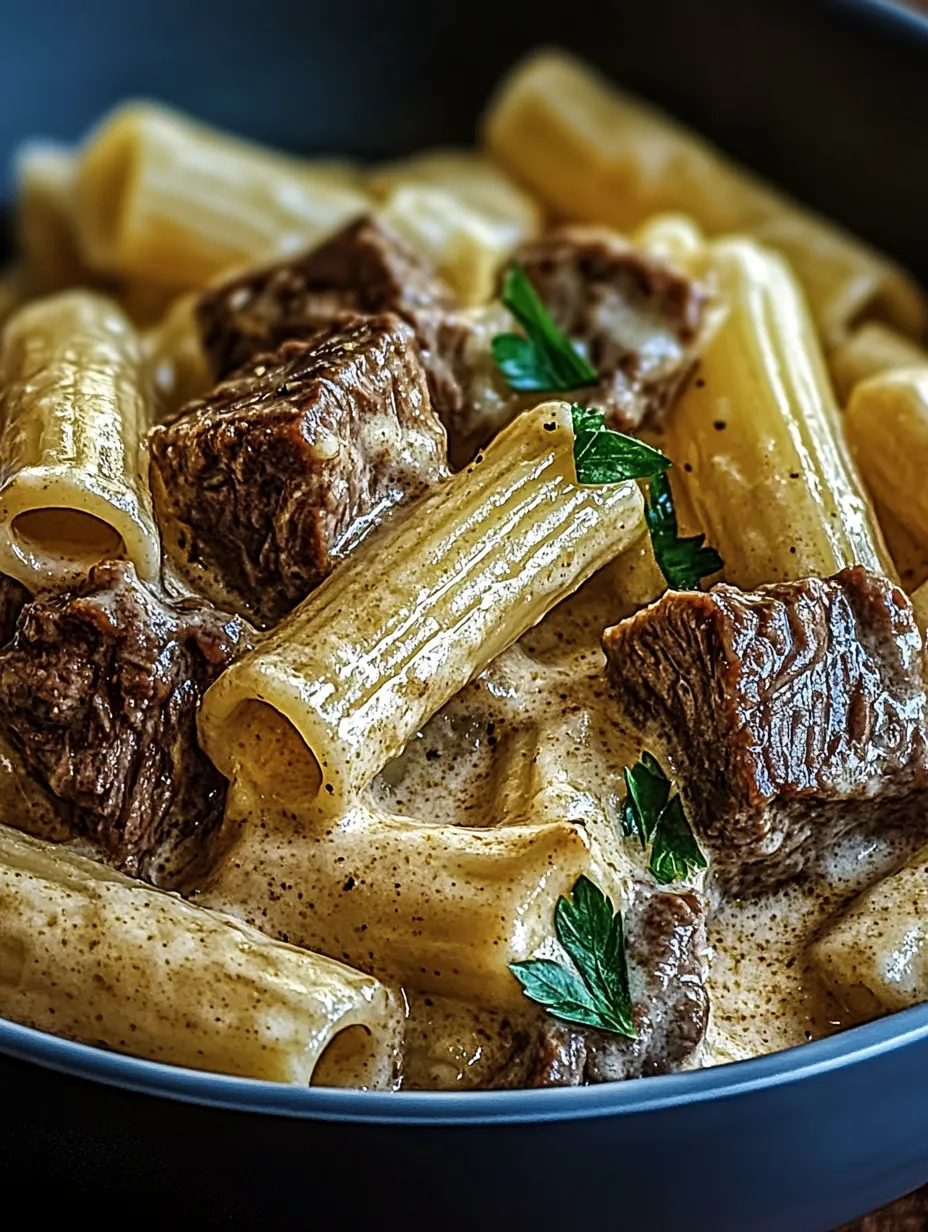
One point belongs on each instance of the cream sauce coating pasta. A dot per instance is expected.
(425, 755)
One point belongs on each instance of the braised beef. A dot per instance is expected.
(636, 317)
(665, 944)
(99, 690)
(264, 484)
(790, 714)
(366, 268)
(13, 598)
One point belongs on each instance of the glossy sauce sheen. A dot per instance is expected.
(536, 738)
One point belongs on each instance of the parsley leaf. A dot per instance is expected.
(674, 850)
(558, 989)
(604, 456)
(545, 358)
(683, 562)
(591, 932)
(648, 790)
(652, 815)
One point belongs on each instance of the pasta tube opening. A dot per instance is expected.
(54, 540)
(422, 605)
(279, 761)
(165, 199)
(352, 1058)
(100, 958)
(73, 482)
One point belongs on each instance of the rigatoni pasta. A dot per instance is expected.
(440, 909)
(106, 960)
(45, 219)
(875, 954)
(457, 240)
(887, 424)
(594, 153)
(757, 438)
(73, 481)
(175, 357)
(909, 556)
(475, 564)
(871, 349)
(474, 182)
(590, 679)
(162, 198)
(674, 238)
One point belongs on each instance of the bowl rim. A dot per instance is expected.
(845, 1049)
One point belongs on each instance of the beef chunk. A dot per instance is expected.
(264, 484)
(636, 317)
(790, 714)
(99, 691)
(666, 941)
(13, 598)
(366, 268)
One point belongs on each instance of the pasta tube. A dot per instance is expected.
(160, 197)
(674, 238)
(453, 238)
(887, 426)
(869, 350)
(45, 174)
(440, 908)
(177, 362)
(595, 154)
(92, 955)
(909, 557)
(757, 440)
(419, 608)
(476, 183)
(875, 956)
(73, 486)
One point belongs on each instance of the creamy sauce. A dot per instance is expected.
(765, 993)
(536, 740)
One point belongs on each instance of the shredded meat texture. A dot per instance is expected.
(265, 484)
(13, 598)
(366, 268)
(637, 318)
(99, 690)
(666, 943)
(790, 714)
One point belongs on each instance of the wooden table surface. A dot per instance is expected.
(907, 1215)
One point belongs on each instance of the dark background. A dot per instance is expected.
(787, 85)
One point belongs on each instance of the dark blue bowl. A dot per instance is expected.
(831, 99)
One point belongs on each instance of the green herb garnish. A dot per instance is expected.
(545, 358)
(683, 562)
(604, 456)
(591, 932)
(674, 850)
(647, 792)
(652, 815)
